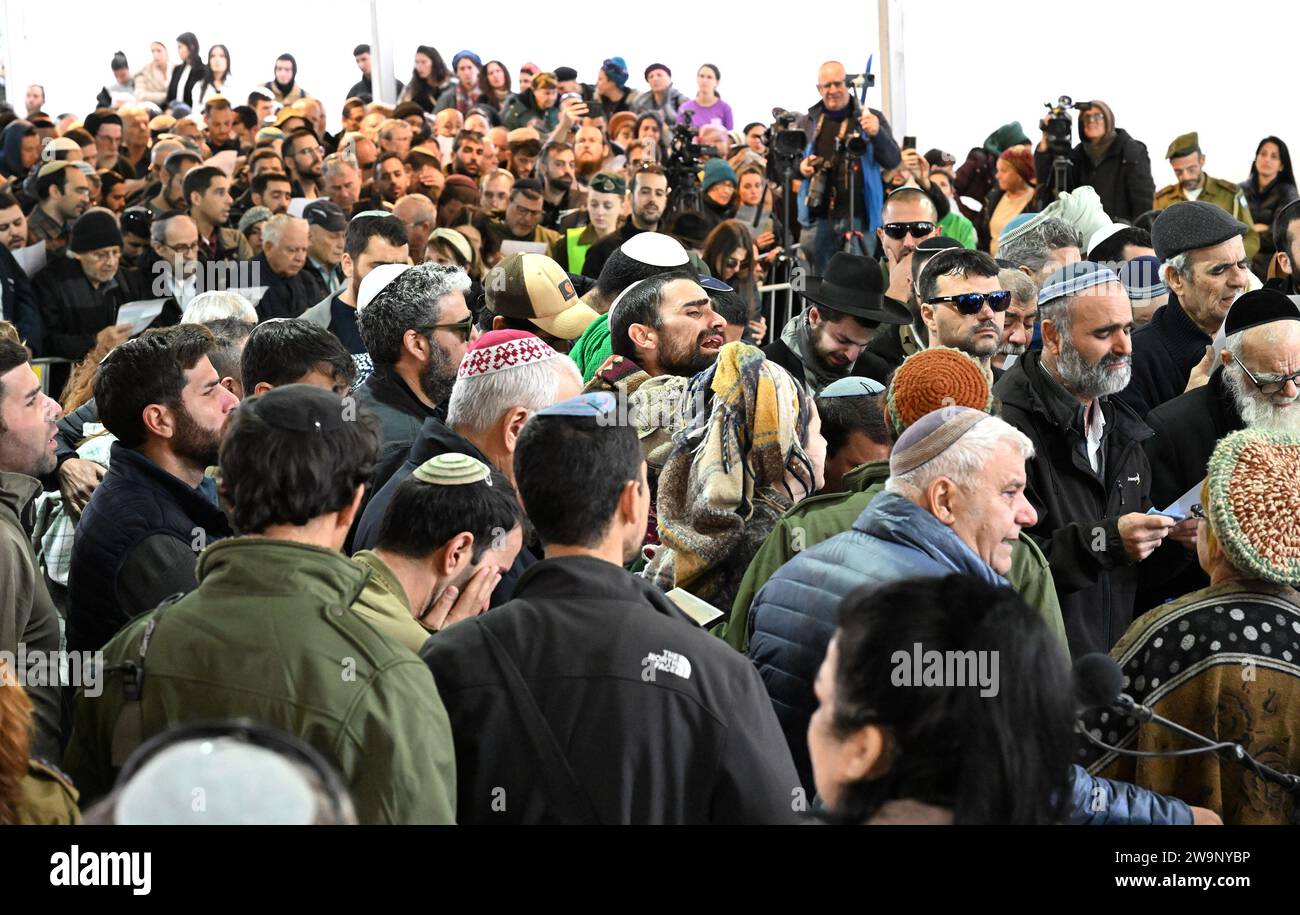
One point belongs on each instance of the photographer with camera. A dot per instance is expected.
(1107, 159)
(840, 131)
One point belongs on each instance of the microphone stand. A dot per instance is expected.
(1224, 749)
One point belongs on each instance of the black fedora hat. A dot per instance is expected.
(854, 285)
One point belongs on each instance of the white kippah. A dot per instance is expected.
(656, 249)
(375, 282)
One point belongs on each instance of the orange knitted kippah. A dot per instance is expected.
(933, 379)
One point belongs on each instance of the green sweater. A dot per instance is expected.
(819, 518)
(957, 226)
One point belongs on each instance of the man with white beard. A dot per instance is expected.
(1089, 480)
(1254, 387)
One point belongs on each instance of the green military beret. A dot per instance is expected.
(1184, 145)
(608, 183)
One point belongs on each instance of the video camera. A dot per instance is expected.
(683, 165)
(1058, 127)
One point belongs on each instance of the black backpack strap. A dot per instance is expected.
(568, 801)
(128, 730)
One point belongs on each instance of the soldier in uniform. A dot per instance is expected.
(269, 635)
(1188, 162)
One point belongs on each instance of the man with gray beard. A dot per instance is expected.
(1255, 386)
(1089, 480)
(1022, 314)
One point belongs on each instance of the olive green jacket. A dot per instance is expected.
(819, 518)
(269, 635)
(384, 604)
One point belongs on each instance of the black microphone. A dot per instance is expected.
(1098, 681)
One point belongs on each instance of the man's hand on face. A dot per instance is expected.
(900, 277)
(456, 604)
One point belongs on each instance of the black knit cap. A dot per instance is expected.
(1259, 306)
(94, 229)
(1190, 225)
(564, 74)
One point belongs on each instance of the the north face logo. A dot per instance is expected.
(669, 662)
(567, 290)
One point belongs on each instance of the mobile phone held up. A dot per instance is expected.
(909, 143)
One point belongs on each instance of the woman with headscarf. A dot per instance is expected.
(1223, 661)
(188, 73)
(1108, 160)
(1270, 187)
(1015, 194)
(285, 86)
(20, 147)
(465, 92)
(151, 80)
(751, 450)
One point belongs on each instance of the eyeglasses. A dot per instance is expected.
(972, 303)
(1273, 386)
(899, 230)
(192, 248)
(463, 328)
(1093, 118)
(833, 84)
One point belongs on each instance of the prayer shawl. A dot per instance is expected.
(730, 461)
(1225, 662)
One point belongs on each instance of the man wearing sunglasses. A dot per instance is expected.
(1089, 479)
(415, 328)
(963, 304)
(1254, 387)
(839, 117)
(908, 218)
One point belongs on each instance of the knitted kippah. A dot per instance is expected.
(936, 378)
(931, 436)
(503, 349)
(453, 469)
(1254, 479)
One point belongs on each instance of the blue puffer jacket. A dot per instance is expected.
(794, 616)
(1104, 802)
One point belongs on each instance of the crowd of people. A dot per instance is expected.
(454, 467)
